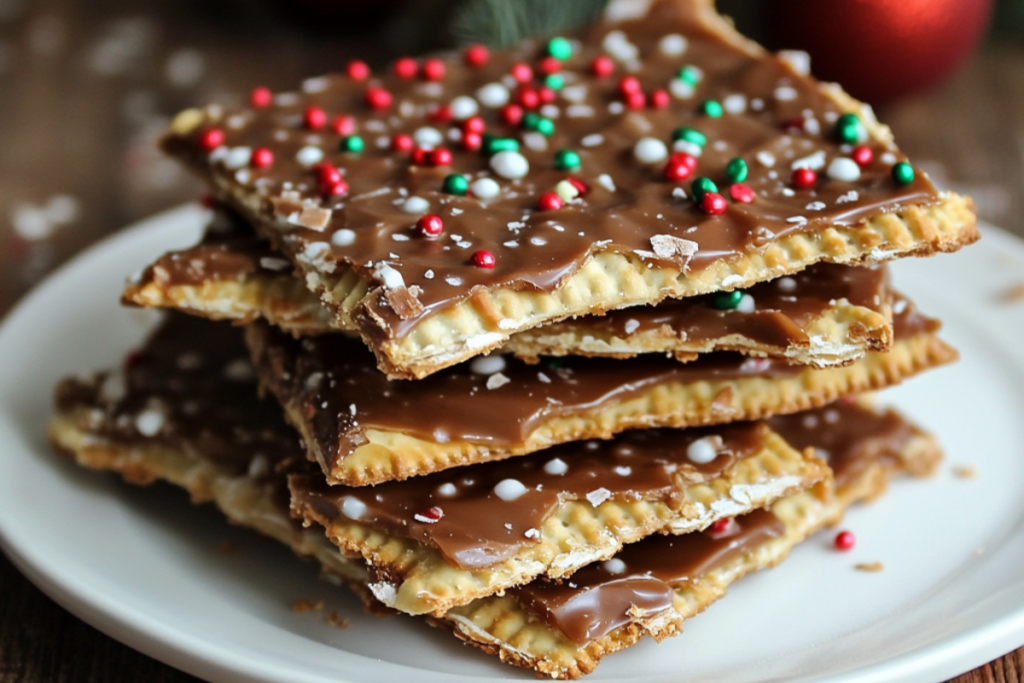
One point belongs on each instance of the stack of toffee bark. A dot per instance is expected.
(557, 341)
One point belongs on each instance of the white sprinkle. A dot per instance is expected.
(799, 60)
(453, 280)
(796, 219)
(679, 193)
(786, 192)
(510, 165)
(551, 111)
(899, 306)
(113, 388)
(487, 365)
(815, 161)
(702, 451)
(616, 107)
(844, 169)
(650, 151)
(343, 237)
(687, 147)
(463, 107)
(567, 191)
(575, 93)
(493, 95)
(850, 196)
(273, 263)
(318, 84)
(556, 467)
(511, 244)
(509, 489)
(766, 159)
(888, 158)
(353, 508)
(428, 137)
(309, 155)
(786, 284)
(811, 126)
(680, 89)
(618, 46)
(606, 182)
(614, 566)
(786, 93)
(632, 325)
(239, 370)
(447, 490)
(416, 206)
(238, 157)
(623, 470)
(532, 533)
(485, 188)
(497, 380)
(538, 241)
(746, 304)
(672, 45)
(387, 275)
(399, 237)
(429, 275)
(579, 111)
(149, 422)
(592, 140)
(543, 378)
(816, 206)
(599, 496)
(537, 142)
(734, 104)
(351, 406)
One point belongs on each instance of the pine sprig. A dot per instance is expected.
(501, 23)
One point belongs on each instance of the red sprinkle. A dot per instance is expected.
(474, 124)
(804, 178)
(529, 98)
(210, 139)
(334, 189)
(660, 98)
(602, 66)
(484, 259)
(845, 540)
(549, 201)
(863, 155)
(440, 113)
(472, 141)
(635, 100)
(719, 526)
(549, 65)
(419, 156)
(713, 203)
(378, 97)
(439, 157)
(344, 125)
(406, 67)
(477, 55)
(326, 173)
(402, 143)
(522, 72)
(629, 84)
(512, 114)
(679, 167)
(429, 516)
(434, 69)
(547, 95)
(358, 70)
(314, 118)
(744, 194)
(580, 186)
(430, 225)
(793, 125)
(261, 97)
(261, 158)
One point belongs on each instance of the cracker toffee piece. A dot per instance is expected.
(825, 315)
(205, 452)
(364, 429)
(580, 204)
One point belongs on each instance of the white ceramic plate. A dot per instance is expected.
(143, 565)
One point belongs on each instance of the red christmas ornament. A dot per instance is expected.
(602, 66)
(629, 84)
(378, 98)
(741, 193)
(549, 201)
(210, 139)
(472, 141)
(406, 67)
(484, 259)
(512, 114)
(635, 100)
(679, 167)
(522, 72)
(261, 158)
(314, 118)
(439, 157)
(343, 125)
(804, 178)
(429, 516)
(660, 98)
(326, 173)
(528, 98)
(261, 97)
(719, 526)
(474, 124)
(845, 540)
(863, 155)
(358, 70)
(434, 69)
(477, 55)
(713, 204)
(881, 50)
(549, 65)
(402, 143)
(430, 225)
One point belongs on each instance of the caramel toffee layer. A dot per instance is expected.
(481, 515)
(772, 117)
(782, 309)
(332, 386)
(604, 596)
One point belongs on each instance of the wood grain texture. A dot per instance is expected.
(86, 85)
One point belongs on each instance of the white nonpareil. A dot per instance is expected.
(702, 451)
(509, 489)
(485, 188)
(650, 151)
(510, 165)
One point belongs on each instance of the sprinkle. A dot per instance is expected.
(416, 205)
(844, 169)
(455, 184)
(447, 490)
(483, 259)
(353, 508)
(149, 422)
(631, 326)
(786, 93)
(623, 470)
(736, 170)
(556, 467)
(735, 104)
(485, 188)
(815, 162)
(238, 157)
(727, 301)
(845, 540)
(560, 48)
(430, 225)
(672, 45)
(851, 130)
(786, 284)
(431, 515)
(816, 206)
(453, 280)
(766, 159)
(712, 109)
(510, 165)
(388, 276)
(566, 191)
(428, 137)
(272, 263)
(549, 201)
(804, 178)
(543, 378)
(702, 451)
(488, 365)
(746, 304)
(744, 194)
(493, 95)
(567, 160)
(606, 182)
(680, 89)
(903, 173)
(509, 489)
(798, 60)
(650, 151)
(701, 186)
(309, 155)
(614, 566)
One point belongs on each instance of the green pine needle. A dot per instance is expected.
(501, 23)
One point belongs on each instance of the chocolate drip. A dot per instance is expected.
(626, 203)
(480, 515)
(603, 596)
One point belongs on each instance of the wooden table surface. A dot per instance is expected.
(86, 85)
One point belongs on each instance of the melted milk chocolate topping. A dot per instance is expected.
(773, 118)
(481, 515)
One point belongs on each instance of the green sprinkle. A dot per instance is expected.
(546, 127)
(690, 135)
(554, 81)
(712, 108)
(530, 120)
(727, 301)
(700, 187)
(560, 48)
(495, 145)
(353, 144)
(850, 130)
(455, 184)
(689, 74)
(736, 170)
(567, 160)
(903, 173)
